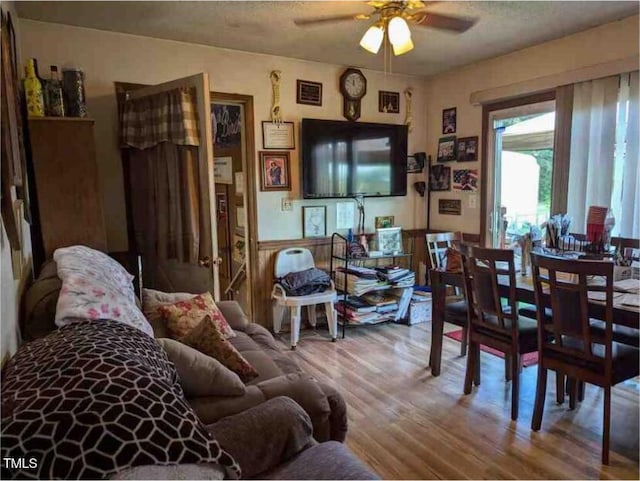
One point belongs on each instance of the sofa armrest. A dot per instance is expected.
(306, 391)
(264, 436)
(234, 315)
(300, 387)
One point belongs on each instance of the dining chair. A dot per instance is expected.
(455, 310)
(568, 344)
(490, 322)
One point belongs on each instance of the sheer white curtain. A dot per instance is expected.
(603, 166)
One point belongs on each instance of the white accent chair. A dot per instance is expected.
(294, 260)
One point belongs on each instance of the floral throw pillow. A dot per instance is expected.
(183, 316)
(95, 287)
(207, 338)
(93, 264)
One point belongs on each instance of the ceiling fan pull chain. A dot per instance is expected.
(408, 120)
(276, 112)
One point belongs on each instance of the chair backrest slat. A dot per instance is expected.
(562, 285)
(484, 271)
(437, 245)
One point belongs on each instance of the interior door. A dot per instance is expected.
(203, 276)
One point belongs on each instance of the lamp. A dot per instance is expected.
(399, 36)
(397, 31)
(372, 39)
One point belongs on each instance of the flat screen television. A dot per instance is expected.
(345, 159)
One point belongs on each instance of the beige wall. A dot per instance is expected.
(108, 57)
(12, 285)
(604, 44)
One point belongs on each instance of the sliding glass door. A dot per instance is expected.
(519, 170)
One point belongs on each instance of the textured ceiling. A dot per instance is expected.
(267, 27)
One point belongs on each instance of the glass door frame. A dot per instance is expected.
(491, 112)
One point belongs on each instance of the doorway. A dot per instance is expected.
(233, 139)
(519, 170)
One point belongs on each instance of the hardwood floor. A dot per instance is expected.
(406, 424)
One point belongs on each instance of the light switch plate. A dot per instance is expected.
(473, 201)
(287, 205)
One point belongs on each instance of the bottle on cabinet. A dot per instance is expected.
(33, 90)
(54, 97)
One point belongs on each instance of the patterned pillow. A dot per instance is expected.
(94, 264)
(207, 338)
(183, 316)
(83, 297)
(93, 399)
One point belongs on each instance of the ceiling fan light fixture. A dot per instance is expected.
(400, 49)
(399, 32)
(372, 39)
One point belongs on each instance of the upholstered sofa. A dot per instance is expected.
(278, 374)
(101, 399)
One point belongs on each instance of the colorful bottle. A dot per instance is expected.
(33, 90)
(55, 102)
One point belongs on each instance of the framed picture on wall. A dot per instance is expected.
(449, 121)
(388, 102)
(314, 221)
(467, 149)
(309, 93)
(439, 178)
(447, 149)
(274, 171)
(278, 135)
(450, 206)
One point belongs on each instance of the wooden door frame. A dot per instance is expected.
(249, 164)
(487, 109)
(251, 189)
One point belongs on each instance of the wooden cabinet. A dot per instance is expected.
(66, 181)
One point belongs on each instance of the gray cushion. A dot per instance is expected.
(201, 375)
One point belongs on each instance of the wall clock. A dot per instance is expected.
(353, 86)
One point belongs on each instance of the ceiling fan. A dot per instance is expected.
(393, 18)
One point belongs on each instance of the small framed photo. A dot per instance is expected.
(389, 240)
(449, 121)
(388, 102)
(439, 178)
(450, 206)
(314, 221)
(467, 149)
(278, 135)
(274, 171)
(415, 164)
(447, 149)
(308, 93)
(465, 180)
(384, 221)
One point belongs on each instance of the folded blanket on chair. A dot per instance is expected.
(302, 283)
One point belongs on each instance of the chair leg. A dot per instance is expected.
(295, 326)
(581, 391)
(311, 315)
(559, 387)
(278, 313)
(515, 385)
(477, 373)
(541, 390)
(606, 425)
(507, 367)
(464, 341)
(573, 390)
(332, 320)
(472, 359)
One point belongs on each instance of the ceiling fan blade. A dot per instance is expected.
(443, 22)
(323, 20)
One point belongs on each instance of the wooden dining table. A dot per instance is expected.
(623, 315)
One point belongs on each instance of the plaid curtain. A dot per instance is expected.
(166, 117)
